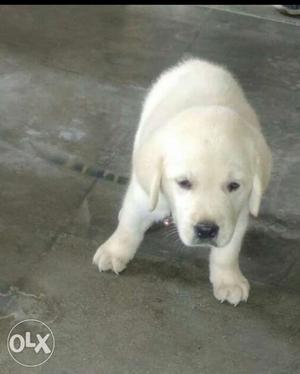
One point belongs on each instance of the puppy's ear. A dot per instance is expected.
(262, 172)
(147, 165)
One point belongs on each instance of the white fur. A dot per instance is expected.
(196, 124)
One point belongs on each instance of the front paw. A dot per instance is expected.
(233, 288)
(109, 257)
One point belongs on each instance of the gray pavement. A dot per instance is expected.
(72, 81)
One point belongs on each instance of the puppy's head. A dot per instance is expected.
(210, 166)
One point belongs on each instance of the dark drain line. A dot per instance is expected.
(81, 167)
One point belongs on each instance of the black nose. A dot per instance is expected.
(206, 230)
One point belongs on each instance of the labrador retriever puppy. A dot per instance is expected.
(200, 156)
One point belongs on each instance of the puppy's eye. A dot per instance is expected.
(233, 186)
(185, 183)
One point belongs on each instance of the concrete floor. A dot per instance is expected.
(72, 80)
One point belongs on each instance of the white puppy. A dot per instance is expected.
(199, 155)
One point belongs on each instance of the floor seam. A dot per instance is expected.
(241, 13)
(190, 44)
(70, 220)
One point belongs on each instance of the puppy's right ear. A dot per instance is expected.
(262, 172)
(147, 165)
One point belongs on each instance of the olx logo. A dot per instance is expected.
(30, 343)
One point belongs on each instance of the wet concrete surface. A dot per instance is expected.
(72, 82)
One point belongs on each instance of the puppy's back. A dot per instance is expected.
(193, 82)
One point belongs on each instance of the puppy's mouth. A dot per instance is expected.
(203, 243)
(169, 221)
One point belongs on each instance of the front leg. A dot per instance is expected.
(225, 274)
(134, 219)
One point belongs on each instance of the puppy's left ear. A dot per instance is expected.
(262, 172)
